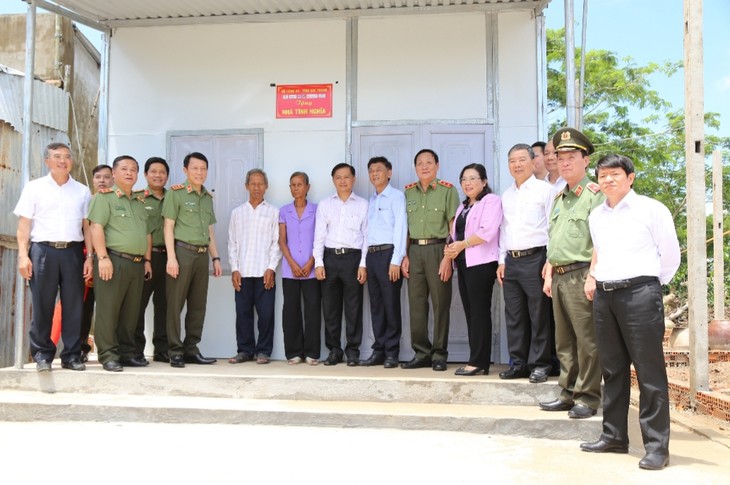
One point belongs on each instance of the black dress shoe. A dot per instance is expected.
(556, 405)
(439, 365)
(654, 461)
(135, 362)
(375, 359)
(199, 359)
(113, 366)
(539, 374)
(177, 361)
(84, 356)
(390, 362)
(514, 373)
(580, 411)
(333, 359)
(601, 446)
(461, 371)
(73, 364)
(353, 362)
(416, 363)
(43, 366)
(161, 357)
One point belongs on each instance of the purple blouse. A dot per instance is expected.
(299, 236)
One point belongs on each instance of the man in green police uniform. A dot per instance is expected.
(189, 238)
(568, 259)
(123, 246)
(156, 171)
(431, 205)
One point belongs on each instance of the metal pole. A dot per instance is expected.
(717, 232)
(582, 83)
(25, 172)
(103, 148)
(541, 38)
(696, 219)
(569, 64)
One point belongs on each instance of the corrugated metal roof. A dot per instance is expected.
(50, 104)
(127, 13)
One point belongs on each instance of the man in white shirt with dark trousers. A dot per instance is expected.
(635, 251)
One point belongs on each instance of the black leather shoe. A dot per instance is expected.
(416, 363)
(177, 361)
(514, 373)
(579, 411)
(654, 461)
(73, 364)
(375, 359)
(461, 371)
(199, 359)
(601, 446)
(43, 366)
(84, 356)
(352, 362)
(539, 374)
(439, 365)
(135, 362)
(390, 362)
(556, 405)
(161, 357)
(113, 366)
(333, 359)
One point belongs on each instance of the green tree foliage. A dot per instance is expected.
(623, 114)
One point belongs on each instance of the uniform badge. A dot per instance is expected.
(565, 135)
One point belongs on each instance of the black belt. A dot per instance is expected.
(380, 247)
(621, 284)
(525, 252)
(341, 250)
(60, 244)
(159, 249)
(192, 247)
(132, 257)
(428, 242)
(567, 268)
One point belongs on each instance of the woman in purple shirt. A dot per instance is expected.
(475, 251)
(296, 239)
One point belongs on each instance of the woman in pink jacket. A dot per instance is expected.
(475, 251)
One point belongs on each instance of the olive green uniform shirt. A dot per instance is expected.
(430, 211)
(570, 238)
(192, 213)
(153, 205)
(124, 220)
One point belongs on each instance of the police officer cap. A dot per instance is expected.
(566, 139)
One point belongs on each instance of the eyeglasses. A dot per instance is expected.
(469, 179)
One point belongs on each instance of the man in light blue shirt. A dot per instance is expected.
(387, 230)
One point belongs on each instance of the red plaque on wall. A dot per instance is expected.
(304, 101)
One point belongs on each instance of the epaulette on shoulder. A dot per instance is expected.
(105, 191)
(410, 186)
(446, 184)
(178, 187)
(593, 187)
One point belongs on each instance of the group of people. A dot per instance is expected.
(580, 264)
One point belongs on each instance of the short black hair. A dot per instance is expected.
(152, 160)
(124, 157)
(426, 150)
(343, 165)
(99, 168)
(540, 144)
(198, 155)
(382, 160)
(614, 160)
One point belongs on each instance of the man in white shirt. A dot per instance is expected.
(635, 251)
(551, 165)
(340, 249)
(523, 237)
(52, 232)
(254, 253)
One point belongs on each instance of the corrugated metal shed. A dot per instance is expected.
(50, 104)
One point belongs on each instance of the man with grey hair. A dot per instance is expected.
(254, 253)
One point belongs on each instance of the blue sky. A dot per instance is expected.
(646, 30)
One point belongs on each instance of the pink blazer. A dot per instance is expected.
(483, 220)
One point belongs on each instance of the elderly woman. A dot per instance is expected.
(296, 240)
(475, 251)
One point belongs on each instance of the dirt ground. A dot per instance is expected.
(719, 378)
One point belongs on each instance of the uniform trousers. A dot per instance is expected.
(341, 286)
(302, 340)
(88, 317)
(526, 310)
(630, 328)
(475, 287)
(424, 281)
(575, 340)
(54, 270)
(117, 308)
(253, 294)
(384, 303)
(191, 286)
(154, 288)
